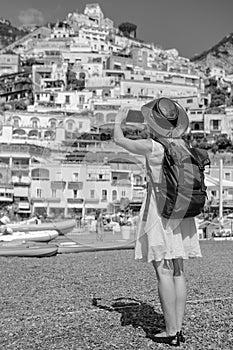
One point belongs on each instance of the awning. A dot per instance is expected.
(24, 205)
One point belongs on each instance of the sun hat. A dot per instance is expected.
(165, 117)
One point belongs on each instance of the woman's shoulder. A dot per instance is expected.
(157, 148)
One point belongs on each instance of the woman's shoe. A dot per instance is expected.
(173, 340)
(181, 337)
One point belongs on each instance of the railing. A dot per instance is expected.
(20, 167)
(75, 185)
(92, 200)
(16, 182)
(137, 199)
(121, 183)
(75, 200)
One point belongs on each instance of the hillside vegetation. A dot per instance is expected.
(9, 34)
(220, 55)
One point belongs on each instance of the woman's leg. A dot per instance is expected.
(167, 294)
(180, 290)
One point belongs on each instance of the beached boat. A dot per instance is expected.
(34, 236)
(62, 227)
(70, 247)
(27, 250)
(221, 239)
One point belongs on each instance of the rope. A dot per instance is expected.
(138, 303)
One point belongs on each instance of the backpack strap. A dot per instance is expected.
(151, 184)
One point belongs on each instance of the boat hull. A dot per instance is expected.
(65, 248)
(30, 236)
(62, 227)
(25, 250)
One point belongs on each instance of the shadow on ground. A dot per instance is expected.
(135, 313)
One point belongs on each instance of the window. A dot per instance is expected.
(114, 195)
(92, 194)
(215, 124)
(54, 193)
(104, 195)
(81, 99)
(75, 192)
(75, 176)
(80, 125)
(189, 100)
(138, 180)
(35, 123)
(39, 193)
(70, 125)
(16, 122)
(67, 99)
(123, 193)
(227, 176)
(128, 90)
(100, 176)
(52, 123)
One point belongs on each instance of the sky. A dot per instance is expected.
(190, 26)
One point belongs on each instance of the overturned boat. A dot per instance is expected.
(30, 236)
(62, 227)
(9, 249)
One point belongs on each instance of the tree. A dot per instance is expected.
(223, 142)
(219, 94)
(128, 29)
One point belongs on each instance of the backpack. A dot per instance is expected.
(181, 192)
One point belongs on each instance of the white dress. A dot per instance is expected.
(159, 238)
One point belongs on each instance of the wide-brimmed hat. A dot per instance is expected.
(165, 117)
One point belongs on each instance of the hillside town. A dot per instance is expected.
(61, 87)
(116, 175)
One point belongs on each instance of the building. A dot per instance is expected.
(9, 63)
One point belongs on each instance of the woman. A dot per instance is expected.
(164, 242)
(99, 226)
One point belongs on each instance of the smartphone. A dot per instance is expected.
(134, 116)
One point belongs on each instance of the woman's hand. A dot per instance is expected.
(122, 114)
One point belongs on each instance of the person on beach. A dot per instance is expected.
(163, 242)
(99, 226)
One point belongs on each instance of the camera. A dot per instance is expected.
(134, 116)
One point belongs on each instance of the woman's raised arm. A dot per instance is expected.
(142, 146)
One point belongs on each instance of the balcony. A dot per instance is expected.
(139, 185)
(92, 201)
(123, 182)
(137, 199)
(20, 167)
(53, 200)
(75, 185)
(21, 181)
(75, 200)
(6, 193)
(58, 185)
(39, 200)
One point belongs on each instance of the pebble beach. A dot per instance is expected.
(106, 300)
